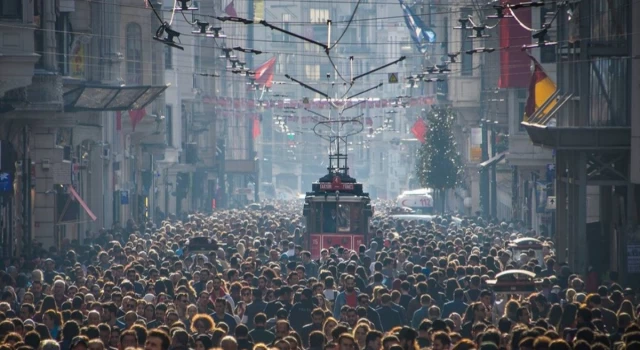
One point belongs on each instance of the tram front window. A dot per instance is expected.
(337, 218)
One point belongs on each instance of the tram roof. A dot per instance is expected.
(331, 197)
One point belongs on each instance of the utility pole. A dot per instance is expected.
(494, 181)
(484, 175)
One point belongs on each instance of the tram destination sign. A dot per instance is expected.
(333, 186)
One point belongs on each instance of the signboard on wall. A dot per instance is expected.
(475, 146)
(124, 197)
(633, 258)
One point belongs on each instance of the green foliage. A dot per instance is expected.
(438, 163)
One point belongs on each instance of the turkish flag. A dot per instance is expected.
(264, 73)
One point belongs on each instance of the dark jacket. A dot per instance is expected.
(457, 306)
(273, 307)
(245, 344)
(228, 319)
(389, 317)
(402, 311)
(256, 307)
(306, 331)
(261, 335)
(374, 317)
(467, 329)
(300, 315)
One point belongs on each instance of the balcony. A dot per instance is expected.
(464, 91)
(522, 152)
(580, 138)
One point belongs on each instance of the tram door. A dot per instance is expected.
(337, 225)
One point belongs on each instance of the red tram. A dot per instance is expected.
(337, 214)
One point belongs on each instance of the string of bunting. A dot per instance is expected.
(247, 103)
(305, 119)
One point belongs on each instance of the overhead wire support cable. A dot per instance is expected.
(379, 68)
(306, 86)
(365, 91)
(272, 27)
(353, 14)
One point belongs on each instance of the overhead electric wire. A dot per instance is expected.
(338, 2)
(173, 11)
(545, 25)
(353, 14)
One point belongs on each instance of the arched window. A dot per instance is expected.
(134, 54)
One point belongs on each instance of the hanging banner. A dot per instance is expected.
(258, 10)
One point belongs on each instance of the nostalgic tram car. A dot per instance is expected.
(337, 213)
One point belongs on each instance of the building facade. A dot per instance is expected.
(590, 129)
(79, 117)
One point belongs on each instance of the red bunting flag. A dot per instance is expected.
(256, 128)
(136, 115)
(419, 130)
(264, 73)
(118, 121)
(231, 10)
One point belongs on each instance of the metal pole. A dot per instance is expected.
(484, 175)
(166, 192)
(515, 193)
(494, 181)
(252, 15)
(26, 234)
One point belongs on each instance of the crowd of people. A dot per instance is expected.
(413, 286)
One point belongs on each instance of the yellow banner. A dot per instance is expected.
(77, 61)
(258, 10)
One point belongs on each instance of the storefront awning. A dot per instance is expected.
(492, 161)
(111, 98)
(84, 205)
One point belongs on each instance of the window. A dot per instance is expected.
(520, 119)
(286, 18)
(445, 39)
(466, 44)
(326, 68)
(168, 57)
(312, 71)
(196, 58)
(548, 53)
(318, 33)
(318, 15)
(168, 118)
(64, 41)
(11, 9)
(38, 34)
(134, 54)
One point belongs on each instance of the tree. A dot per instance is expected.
(438, 163)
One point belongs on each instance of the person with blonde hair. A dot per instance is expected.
(229, 343)
(49, 344)
(360, 334)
